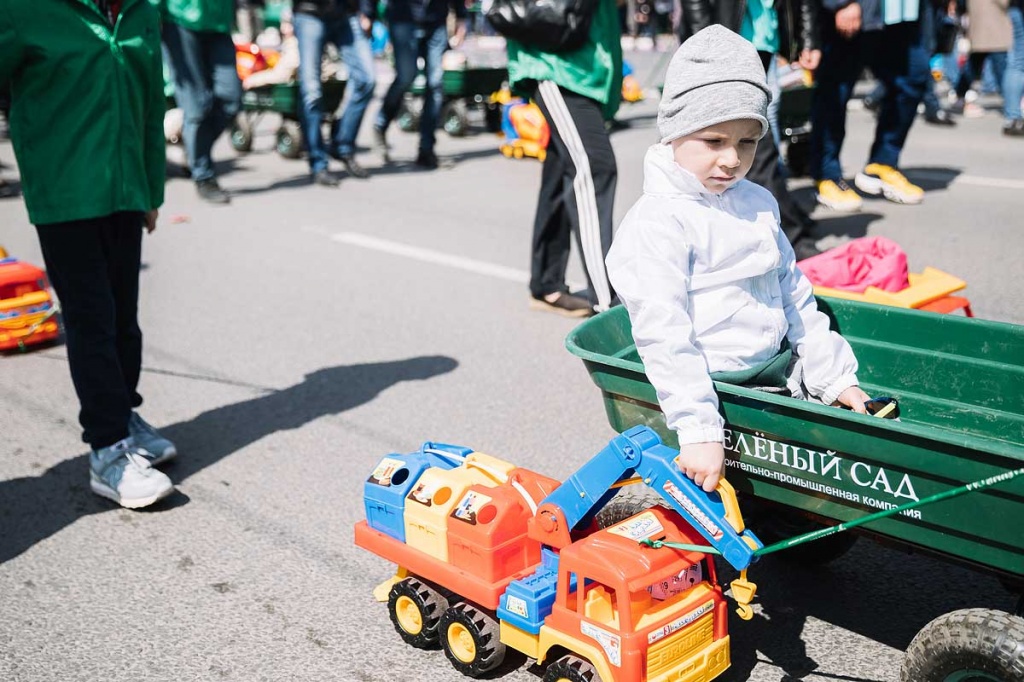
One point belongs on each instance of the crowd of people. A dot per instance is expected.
(93, 175)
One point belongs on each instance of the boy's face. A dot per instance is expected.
(719, 155)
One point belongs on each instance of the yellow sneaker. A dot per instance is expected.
(877, 179)
(838, 196)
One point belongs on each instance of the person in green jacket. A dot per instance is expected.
(86, 120)
(197, 34)
(577, 91)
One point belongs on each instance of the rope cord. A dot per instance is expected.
(839, 528)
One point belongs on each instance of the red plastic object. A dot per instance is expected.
(26, 308)
(949, 304)
(487, 528)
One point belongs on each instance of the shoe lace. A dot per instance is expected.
(138, 461)
(843, 187)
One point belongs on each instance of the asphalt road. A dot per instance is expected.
(295, 337)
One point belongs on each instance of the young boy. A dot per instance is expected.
(708, 278)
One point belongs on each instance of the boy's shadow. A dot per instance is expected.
(34, 508)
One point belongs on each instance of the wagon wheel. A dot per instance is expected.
(469, 637)
(970, 645)
(777, 523)
(409, 113)
(289, 140)
(571, 669)
(241, 134)
(455, 118)
(415, 609)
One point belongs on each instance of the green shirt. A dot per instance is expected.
(215, 16)
(761, 25)
(594, 70)
(87, 107)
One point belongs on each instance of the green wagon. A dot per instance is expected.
(960, 386)
(281, 99)
(463, 90)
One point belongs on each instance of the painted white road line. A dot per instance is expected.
(436, 257)
(976, 180)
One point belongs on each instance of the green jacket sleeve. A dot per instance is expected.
(155, 145)
(13, 50)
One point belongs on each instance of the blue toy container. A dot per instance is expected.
(394, 476)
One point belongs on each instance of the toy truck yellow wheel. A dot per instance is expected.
(415, 609)
(506, 149)
(542, 154)
(517, 152)
(571, 669)
(470, 639)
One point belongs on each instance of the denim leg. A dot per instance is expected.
(309, 31)
(436, 43)
(841, 62)
(193, 92)
(901, 62)
(406, 49)
(358, 57)
(227, 88)
(1013, 77)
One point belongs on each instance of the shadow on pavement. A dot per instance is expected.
(34, 508)
(852, 225)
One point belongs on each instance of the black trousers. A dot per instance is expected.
(767, 173)
(93, 266)
(577, 194)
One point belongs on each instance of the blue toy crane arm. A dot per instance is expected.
(640, 451)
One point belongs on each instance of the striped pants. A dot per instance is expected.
(577, 194)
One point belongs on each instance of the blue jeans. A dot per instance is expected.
(1013, 77)
(344, 31)
(410, 42)
(898, 58)
(206, 87)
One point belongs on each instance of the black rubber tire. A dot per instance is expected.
(572, 669)
(289, 140)
(241, 135)
(485, 631)
(431, 603)
(455, 118)
(408, 118)
(782, 524)
(986, 641)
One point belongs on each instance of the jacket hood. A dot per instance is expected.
(664, 177)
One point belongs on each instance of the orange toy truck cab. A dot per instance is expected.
(26, 309)
(636, 613)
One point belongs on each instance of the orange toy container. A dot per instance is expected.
(487, 526)
(26, 309)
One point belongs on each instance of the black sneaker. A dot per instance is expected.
(325, 179)
(427, 160)
(940, 118)
(380, 141)
(1014, 128)
(352, 167)
(563, 303)
(210, 191)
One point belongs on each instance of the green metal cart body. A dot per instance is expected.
(462, 89)
(283, 99)
(960, 386)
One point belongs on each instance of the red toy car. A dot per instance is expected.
(26, 308)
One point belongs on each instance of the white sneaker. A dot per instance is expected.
(157, 449)
(121, 472)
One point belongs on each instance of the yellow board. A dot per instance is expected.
(925, 287)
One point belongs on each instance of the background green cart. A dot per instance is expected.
(464, 91)
(960, 385)
(281, 99)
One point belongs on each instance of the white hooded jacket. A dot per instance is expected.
(711, 284)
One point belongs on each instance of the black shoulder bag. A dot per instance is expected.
(549, 25)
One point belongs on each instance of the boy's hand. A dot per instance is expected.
(704, 463)
(854, 398)
(150, 220)
(848, 20)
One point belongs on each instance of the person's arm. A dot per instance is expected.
(154, 142)
(649, 267)
(810, 34)
(461, 23)
(829, 365)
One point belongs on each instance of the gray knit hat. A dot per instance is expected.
(715, 76)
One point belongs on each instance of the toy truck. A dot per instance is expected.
(492, 556)
(26, 309)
